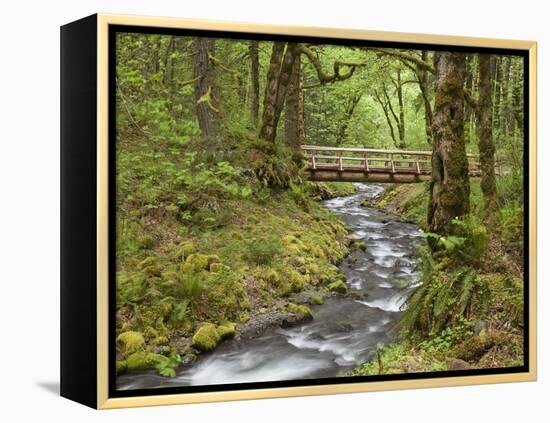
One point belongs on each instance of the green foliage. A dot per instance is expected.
(262, 251)
(469, 242)
(167, 365)
(443, 298)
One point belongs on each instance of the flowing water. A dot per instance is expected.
(344, 331)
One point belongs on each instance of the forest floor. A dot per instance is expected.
(489, 331)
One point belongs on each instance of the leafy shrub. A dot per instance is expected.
(468, 242)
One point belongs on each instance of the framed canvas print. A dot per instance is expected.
(253, 211)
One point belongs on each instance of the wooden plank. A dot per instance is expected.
(372, 150)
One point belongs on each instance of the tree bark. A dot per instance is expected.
(401, 120)
(294, 111)
(278, 79)
(484, 115)
(208, 112)
(255, 77)
(450, 185)
(423, 79)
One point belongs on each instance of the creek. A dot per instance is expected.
(345, 330)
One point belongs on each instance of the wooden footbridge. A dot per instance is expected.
(371, 165)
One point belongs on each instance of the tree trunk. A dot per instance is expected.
(278, 79)
(208, 112)
(423, 76)
(294, 118)
(401, 120)
(504, 97)
(255, 76)
(450, 184)
(484, 115)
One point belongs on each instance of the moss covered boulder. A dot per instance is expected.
(130, 342)
(299, 314)
(185, 249)
(198, 262)
(339, 287)
(206, 338)
(226, 330)
(143, 360)
(121, 366)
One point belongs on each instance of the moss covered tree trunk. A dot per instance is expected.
(294, 111)
(207, 108)
(255, 81)
(278, 80)
(450, 184)
(484, 115)
(423, 82)
(401, 119)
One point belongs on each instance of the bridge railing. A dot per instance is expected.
(374, 160)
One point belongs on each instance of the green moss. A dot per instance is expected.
(150, 267)
(218, 267)
(121, 366)
(196, 262)
(316, 299)
(206, 338)
(143, 360)
(476, 346)
(338, 287)
(300, 310)
(297, 281)
(344, 326)
(184, 250)
(130, 342)
(226, 330)
(357, 245)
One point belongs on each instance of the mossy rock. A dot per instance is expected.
(121, 366)
(316, 299)
(344, 326)
(197, 262)
(226, 330)
(150, 332)
(475, 347)
(206, 338)
(130, 342)
(299, 309)
(184, 250)
(357, 245)
(300, 314)
(338, 287)
(143, 360)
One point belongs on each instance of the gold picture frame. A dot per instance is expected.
(99, 361)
